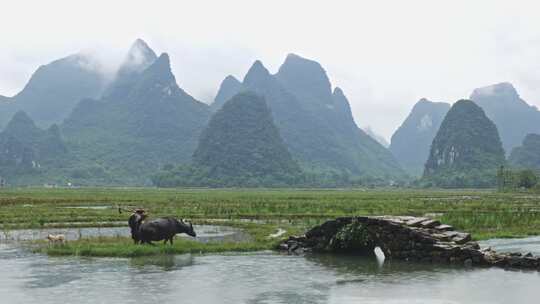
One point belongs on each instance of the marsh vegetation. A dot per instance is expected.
(260, 213)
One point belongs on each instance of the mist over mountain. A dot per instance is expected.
(315, 122)
(139, 57)
(308, 81)
(54, 90)
(527, 156)
(142, 122)
(379, 138)
(512, 115)
(27, 151)
(467, 150)
(125, 129)
(411, 142)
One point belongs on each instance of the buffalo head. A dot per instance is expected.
(185, 227)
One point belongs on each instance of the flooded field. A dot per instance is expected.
(205, 233)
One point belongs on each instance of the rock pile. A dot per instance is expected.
(405, 238)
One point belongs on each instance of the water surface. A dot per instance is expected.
(263, 277)
(524, 245)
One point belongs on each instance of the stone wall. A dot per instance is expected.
(405, 238)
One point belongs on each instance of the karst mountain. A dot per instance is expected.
(411, 142)
(467, 150)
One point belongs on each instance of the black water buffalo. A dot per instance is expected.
(163, 229)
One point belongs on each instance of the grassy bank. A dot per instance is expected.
(123, 247)
(486, 214)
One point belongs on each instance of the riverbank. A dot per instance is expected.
(257, 237)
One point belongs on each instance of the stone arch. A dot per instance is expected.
(405, 238)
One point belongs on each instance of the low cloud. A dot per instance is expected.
(385, 55)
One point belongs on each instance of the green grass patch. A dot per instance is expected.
(123, 247)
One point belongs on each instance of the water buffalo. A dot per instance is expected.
(163, 229)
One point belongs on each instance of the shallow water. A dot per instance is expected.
(254, 278)
(205, 233)
(97, 207)
(530, 244)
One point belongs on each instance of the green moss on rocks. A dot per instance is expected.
(352, 237)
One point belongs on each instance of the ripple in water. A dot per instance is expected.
(263, 277)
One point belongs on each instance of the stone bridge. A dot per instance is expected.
(405, 238)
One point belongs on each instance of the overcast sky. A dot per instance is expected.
(385, 55)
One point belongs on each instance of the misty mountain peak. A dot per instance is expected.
(158, 76)
(305, 78)
(229, 87)
(338, 92)
(297, 60)
(308, 69)
(163, 62)
(411, 142)
(141, 45)
(230, 79)
(294, 59)
(160, 69)
(341, 101)
(503, 89)
(139, 57)
(229, 83)
(256, 72)
(140, 54)
(513, 116)
(425, 105)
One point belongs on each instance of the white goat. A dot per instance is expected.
(56, 239)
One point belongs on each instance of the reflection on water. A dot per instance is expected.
(162, 262)
(379, 256)
(252, 278)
